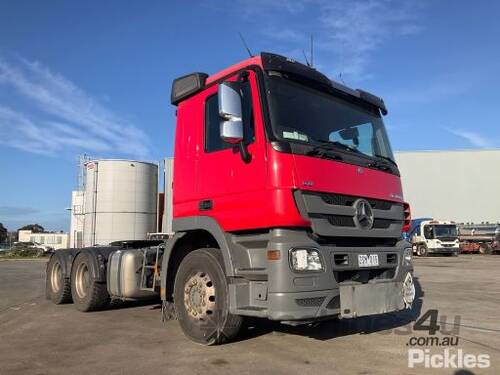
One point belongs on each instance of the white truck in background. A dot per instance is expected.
(430, 236)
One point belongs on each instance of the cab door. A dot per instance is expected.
(230, 189)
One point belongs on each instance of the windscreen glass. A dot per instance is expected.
(445, 231)
(303, 114)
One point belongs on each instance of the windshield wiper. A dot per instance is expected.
(323, 152)
(380, 166)
(326, 149)
(386, 158)
(335, 144)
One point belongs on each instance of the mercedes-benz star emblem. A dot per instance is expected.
(363, 217)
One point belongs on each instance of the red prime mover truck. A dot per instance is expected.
(287, 205)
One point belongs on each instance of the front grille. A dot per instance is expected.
(310, 302)
(340, 221)
(334, 216)
(447, 239)
(348, 200)
(382, 223)
(348, 221)
(357, 241)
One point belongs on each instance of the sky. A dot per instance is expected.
(94, 77)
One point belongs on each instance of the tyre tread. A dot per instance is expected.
(65, 295)
(98, 297)
(233, 323)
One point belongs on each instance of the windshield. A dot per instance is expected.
(437, 231)
(304, 114)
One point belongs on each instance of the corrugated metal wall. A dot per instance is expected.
(452, 185)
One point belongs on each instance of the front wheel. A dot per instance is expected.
(422, 251)
(484, 248)
(201, 297)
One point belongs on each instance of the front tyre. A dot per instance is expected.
(484, 249)
(422, 251)
(87, 293)
(201, 297)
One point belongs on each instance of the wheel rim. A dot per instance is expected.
(55, 277)
(82, 280)
(199, 296)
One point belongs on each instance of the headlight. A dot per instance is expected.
(407, 256)
(306, 260)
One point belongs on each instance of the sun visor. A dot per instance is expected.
(185, 86)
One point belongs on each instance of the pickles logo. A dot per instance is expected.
(447, 359)
(448, 354)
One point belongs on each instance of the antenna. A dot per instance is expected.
(341, 79)
(312, 43)
(305, 57)
(245, 44)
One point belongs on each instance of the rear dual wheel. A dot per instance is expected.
(87, 293)
(201, 297)
(57, 287)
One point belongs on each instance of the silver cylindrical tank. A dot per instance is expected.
(120, 201)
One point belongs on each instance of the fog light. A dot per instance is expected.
(306, 260)
(407, 256)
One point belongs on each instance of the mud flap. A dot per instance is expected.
(369, 299)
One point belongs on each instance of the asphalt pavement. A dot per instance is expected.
(37, 337)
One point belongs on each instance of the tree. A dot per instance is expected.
(35, 228)
(3, 233)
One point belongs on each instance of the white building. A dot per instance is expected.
(54, 240)
(76, 224)
(461, 185)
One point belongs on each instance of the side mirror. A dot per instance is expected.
(230, 110)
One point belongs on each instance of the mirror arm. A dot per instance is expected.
(245, 155)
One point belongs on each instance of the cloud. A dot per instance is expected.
(16, 211)
(61, 116)
(347, 33)
(473, 138)
(356, 29)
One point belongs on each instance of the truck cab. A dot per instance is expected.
(292, 176)
(435, 237)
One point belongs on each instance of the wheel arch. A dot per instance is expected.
(190, 234)
(98, 259)
(65, 257)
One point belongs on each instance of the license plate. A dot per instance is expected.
(368, 260)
